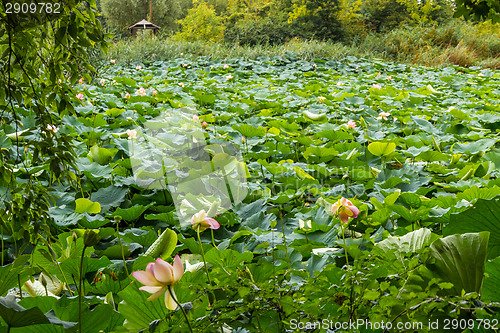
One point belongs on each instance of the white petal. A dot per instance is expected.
(145, 278)
(178, 269)
(163, 271)
(156, 294)
(151, 290)
(169, 300)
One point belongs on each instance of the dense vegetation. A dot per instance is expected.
(358, 193)
(456, 43)
(393, 30)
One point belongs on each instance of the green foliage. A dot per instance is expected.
(244, 29)
(453, 43)
(316, 18)
(43, 54)
(201, 23)
(121, 14)
(17, 316)
(423, 246)
(384, 15)
(478, 10)
(460, 260)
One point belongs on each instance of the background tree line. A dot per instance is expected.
(277, 21)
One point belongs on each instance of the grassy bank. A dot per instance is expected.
(457, 43)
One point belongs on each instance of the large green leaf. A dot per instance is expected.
(17, 316)
(9, 273)
(102, 317)
(484, 215)
(324, 153)
(381, 148)
(475, 147)
(114, 112)
(249, 131)
(137, 310)
(491, 284)
(131, 214)
(100, 155)
(71, 266)
(125, 80)
(395, 247)
(110, 196)
(84, 205)
(227, 258)
(460, 259)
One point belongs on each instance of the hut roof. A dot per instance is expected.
(144, 25)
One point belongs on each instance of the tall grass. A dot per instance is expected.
(457, 43)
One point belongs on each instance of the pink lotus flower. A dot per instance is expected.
(377, 86)
(344, 209)
(155, 92)
(127, 95)
(202, 222)
(131, 133)
(141, 91)
(112, 61)
(383, 115)
(52, 128)
(204, 124)
(158, 279)
(351, 124)
(182, 54)
(139, 67)
(80, 81)
(79, 96)
(196, 118)
(226, 66)
(229, 77)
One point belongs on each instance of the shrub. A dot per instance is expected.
(316, 19)
(272, 29)
(201, 23)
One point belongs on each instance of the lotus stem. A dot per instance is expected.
(80, 291)
(171, 291)
(345, 247)
(203, 256)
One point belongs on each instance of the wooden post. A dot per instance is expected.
(151, 11)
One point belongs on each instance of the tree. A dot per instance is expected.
(257, 22)
(316, 18)
(478, 10)
(43, 54)
(201, 23)
(121, 14)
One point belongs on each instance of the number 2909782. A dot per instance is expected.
(32, 8)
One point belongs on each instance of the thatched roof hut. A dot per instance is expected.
(143, 25)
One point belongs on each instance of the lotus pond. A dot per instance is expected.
(370, 194)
